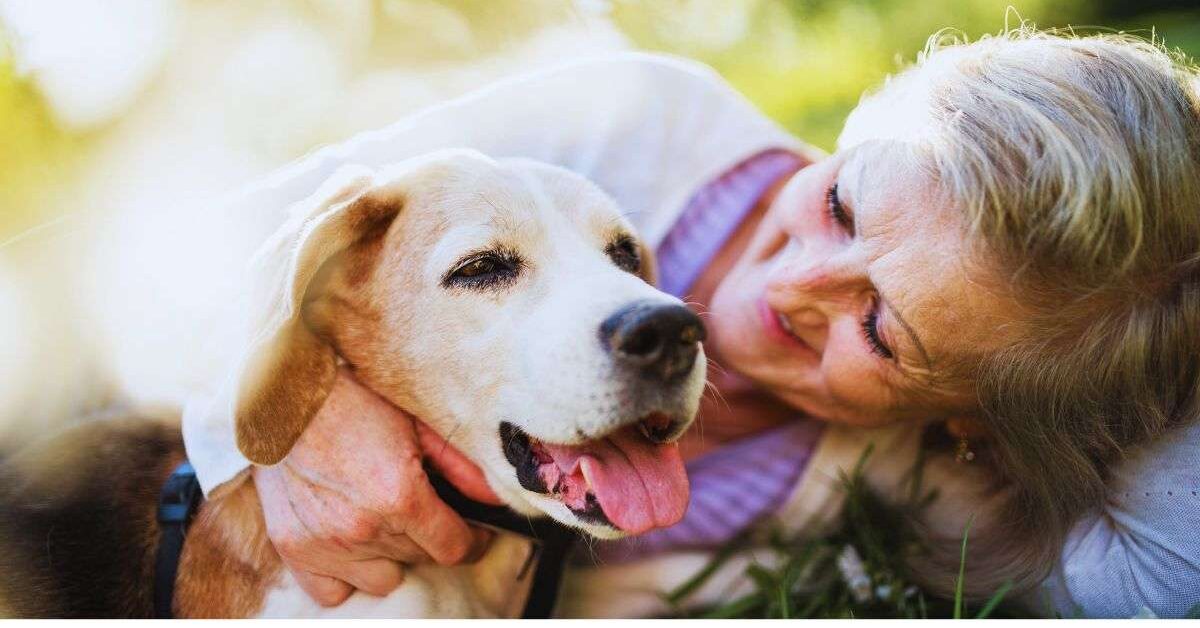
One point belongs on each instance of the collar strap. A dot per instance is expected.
(552, 543)
(177, 505)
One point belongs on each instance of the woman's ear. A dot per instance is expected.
(289, 369)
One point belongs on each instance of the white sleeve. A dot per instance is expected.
(1143, 550)
(648, 129)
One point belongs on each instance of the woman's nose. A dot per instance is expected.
(816, 273)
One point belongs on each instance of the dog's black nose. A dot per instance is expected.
(658, 339)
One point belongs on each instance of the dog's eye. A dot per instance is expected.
(624, 253)
(484, 270)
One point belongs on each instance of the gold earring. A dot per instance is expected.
(962, 452)
(963, 429)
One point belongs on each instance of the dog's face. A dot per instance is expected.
(507, 305)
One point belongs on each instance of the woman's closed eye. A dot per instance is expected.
(870, 332)
(870, 321)
(837, 211)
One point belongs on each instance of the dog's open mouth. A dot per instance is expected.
(629, 480)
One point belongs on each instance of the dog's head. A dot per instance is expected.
(508, 305)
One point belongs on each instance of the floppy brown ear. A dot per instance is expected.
(289, 369)
(649, 269)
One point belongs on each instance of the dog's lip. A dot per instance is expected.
(518, 450)
(659, 427)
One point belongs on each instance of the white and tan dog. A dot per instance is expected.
(506, 303)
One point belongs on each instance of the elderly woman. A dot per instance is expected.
(1005, 250)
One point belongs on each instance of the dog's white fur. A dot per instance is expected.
(496, 586)
(462, 359)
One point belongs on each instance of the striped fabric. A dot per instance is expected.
(713, 214)
(739, 483)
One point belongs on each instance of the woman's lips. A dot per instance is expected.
(773, 323)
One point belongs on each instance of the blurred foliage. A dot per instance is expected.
(807, 62)
(424, 32)
(804, 62)
(33, 150)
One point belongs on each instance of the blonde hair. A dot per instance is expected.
(1076, 164)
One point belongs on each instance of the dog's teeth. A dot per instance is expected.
(645, 431)
(787, 325)
(587, 481)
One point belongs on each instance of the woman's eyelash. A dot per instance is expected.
(870, 322)
(837, 212)
(870, 329)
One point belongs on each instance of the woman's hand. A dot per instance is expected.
(351, 503)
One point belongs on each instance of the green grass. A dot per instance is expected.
(857, 571)
(959, 608)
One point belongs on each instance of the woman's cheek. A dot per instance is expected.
(724, 321)
(854, 386)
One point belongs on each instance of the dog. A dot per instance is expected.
(508, 304)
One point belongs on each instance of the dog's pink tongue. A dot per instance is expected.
(640, 485)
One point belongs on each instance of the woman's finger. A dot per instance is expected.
(435, 527)
(325, 590)
(401, 548)
(376, 576)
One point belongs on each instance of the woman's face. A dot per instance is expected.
(857, 294)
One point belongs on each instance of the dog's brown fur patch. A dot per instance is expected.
(371, 218)
(298, 373)
(78, 527)
(79, 530)
(228, 563)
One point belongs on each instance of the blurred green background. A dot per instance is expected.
(804, 62)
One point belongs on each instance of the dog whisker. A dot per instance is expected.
(716, 394)
(590, 543)
(716, 366)
(449, 436)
